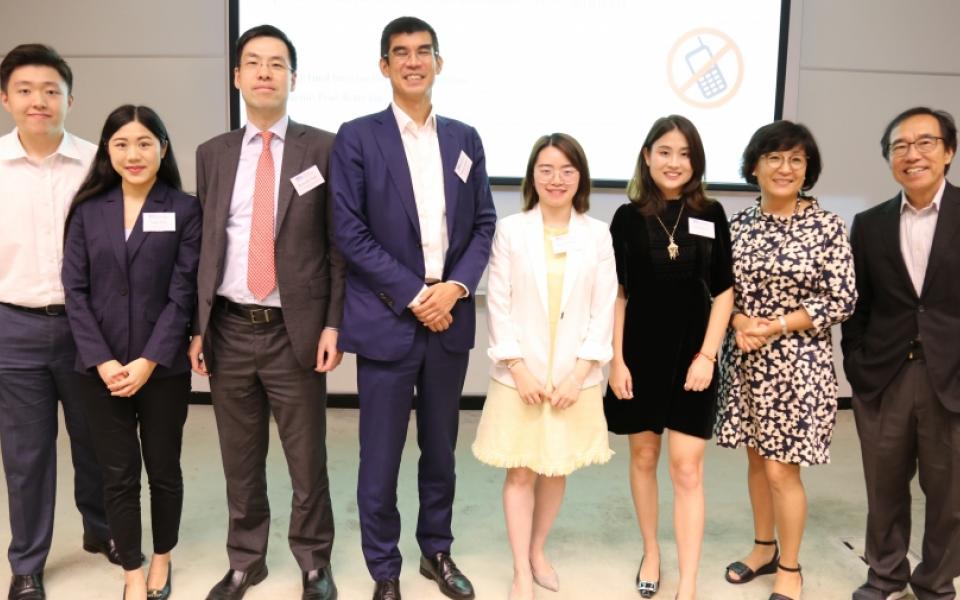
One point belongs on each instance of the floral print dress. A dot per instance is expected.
(781, 400)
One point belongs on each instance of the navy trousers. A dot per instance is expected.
(386, 392)
(37, 357)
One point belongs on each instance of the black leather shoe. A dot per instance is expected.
(318, 584)
(29, 587)
(164, 592)
(104, 547)
(235, 583)
(452, 583)
(387, 589)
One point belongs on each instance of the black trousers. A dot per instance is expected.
(256, 375)
(158, 410)
(905, 431)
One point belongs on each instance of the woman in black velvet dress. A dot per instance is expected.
(672, 247)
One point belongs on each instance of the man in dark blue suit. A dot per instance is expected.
(414, 219)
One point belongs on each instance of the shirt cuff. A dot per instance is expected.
(416, 299)
(466, 292)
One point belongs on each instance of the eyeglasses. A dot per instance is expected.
(403, 55)
(274, 66)
(546, 174)
(775, 160)
(924, 145)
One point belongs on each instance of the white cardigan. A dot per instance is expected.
(517, 310)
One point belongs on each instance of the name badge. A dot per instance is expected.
(158, 222)
(702, 228)
(564, 243)
(463, 166)
(308, 180)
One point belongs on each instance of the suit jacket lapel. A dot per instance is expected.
(571, 269)
(449, 153)
(533, 236)
(294, 150)
(890, 239)
(945, 235)
(157, 201)
(112, 210)
(228, 162)
(391, 146)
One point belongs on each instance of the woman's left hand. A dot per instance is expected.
(138, 372)
(699, 374)
(566, 394)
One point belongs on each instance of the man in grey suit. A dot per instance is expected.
(270, 299)
(902, 359)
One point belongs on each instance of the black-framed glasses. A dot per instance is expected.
(924, 144)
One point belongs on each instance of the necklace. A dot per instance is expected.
(673, 250)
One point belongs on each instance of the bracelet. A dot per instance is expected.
(512, 363)
(712, 359)
(783, 324)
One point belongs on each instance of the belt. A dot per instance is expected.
(431, 281)
(257, 315)
(50, 310)
(916, 351)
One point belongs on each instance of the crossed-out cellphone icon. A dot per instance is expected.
(712, 82)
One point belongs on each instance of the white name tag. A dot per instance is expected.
(165, 221)
(701, 228)
(564, 243)
(306, 181)
(463, 166)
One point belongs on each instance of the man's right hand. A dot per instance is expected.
(196, 356)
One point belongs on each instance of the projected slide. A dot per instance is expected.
(601, 70)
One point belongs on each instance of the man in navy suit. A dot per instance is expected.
(414, 219)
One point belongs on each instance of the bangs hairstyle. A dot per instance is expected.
(265, 31)
(948, 129)
(643, 190)
(406, 25)
(34, 55)
(780, 136)
(103, 177)
(578, 160)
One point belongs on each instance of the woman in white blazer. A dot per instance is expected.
(550, 294)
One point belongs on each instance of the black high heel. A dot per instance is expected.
(647, 589)
(747, 574)
(163, 593)
(796, 569)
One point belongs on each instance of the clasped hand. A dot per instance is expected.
(752, 333)
(125, 380)
(533, 392)
(436, 302)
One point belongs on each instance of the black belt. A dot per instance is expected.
(50, 310)
(257, 315)
(916, 351)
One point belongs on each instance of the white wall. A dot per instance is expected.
(860, 63)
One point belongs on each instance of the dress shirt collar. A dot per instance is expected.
(905, 205)
(406, 123)
(12, 149)
(279, 130)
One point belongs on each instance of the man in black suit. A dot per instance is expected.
(902, 357)
(270, 288)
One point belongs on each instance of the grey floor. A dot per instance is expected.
(595, 544)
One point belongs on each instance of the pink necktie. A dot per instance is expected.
(261, 265)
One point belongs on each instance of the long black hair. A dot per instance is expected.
(103, 177)
(645, 193)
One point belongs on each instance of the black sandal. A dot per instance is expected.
(796, 569)
(746, 574)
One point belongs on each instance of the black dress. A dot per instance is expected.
(668, 307)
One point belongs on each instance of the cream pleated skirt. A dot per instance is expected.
(539, 437)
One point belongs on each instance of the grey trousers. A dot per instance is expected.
(904, 431)
(255, 374)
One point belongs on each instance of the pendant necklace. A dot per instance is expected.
(673, 250)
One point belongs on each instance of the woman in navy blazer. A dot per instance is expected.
(129, 273)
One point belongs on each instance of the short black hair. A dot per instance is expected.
(948, 128)
(406, 25)
(41, 55)
(776, 137)
(266, 31)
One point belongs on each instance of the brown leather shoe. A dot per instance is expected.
(452, 583)
(387, 589)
